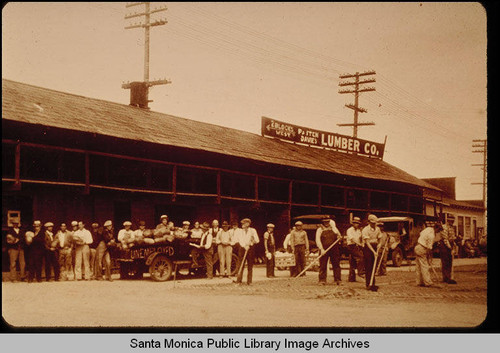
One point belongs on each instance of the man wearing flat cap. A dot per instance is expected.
(51, 254)
(207, 249)
(326, 236)
(371, 236)
(15, 249)
(83, 238)
(300, 247)
(36, 251)
(247, 237)
(355, 247)
(126, 235)
(102, 255)
(446, 249)
(65, 243)
(270, 248)
(224, 243)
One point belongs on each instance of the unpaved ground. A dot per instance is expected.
(281, 302)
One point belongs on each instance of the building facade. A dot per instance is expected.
(67, 157)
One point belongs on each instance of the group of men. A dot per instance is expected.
(363, 246)
(75, 253)
(82, 254)
(444, 236)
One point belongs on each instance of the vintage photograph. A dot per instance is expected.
(233, 165)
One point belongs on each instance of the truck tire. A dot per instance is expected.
(397, 257)
(161, 268)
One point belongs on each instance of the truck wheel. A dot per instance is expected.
(161, 269)
(397, 257)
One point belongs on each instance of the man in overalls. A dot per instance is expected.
(325, 237)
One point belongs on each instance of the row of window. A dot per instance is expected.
(64, 166)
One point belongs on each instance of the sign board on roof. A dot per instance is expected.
(323, 139)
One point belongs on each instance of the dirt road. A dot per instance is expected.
(279, 302)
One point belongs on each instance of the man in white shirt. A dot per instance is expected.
(82, 238)
(423, 253)
(355, 247)
(247, 237)
(126, 235)
(224, 249)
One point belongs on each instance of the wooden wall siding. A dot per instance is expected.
(105, 171)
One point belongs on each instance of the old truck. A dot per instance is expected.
(162, 260)
(403, 235)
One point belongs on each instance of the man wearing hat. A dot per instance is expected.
(270, 248)
(163, 231)
(224, 249)
(36, 251)
(207, 249)
(423, 254)
(65, 243)
(102, 253)
(96, 232)
(371, 239)
(51, 255)
(82, 238)
(15, 249)
(446, 248)
(247, 237)
(355, 248)
(300, 247)
(326, 235)
(126, 235)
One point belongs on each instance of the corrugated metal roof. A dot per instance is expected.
(40, 106)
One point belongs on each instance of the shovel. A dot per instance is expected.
(372, 287)
(317, 259)
(242, 263)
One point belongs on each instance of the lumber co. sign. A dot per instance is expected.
(327, 140)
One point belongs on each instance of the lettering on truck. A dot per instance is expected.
(145, 252)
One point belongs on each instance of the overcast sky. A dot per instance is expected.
(231, 63)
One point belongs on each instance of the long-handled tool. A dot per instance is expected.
(372, 287)
(242, 263)
(317, 259)
(382, 256)
(429, 260)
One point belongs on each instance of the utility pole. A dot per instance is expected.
(481, 144)
(356, 90)
(141, 89)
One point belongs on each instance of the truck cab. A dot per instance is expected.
(402, 236)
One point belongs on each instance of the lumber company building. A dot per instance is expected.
(67, 157)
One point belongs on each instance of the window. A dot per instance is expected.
(39, 164)
(273, 189)
(380, 201)
(460, 223)
(331, 196)
(8, 160)
(416, 205)
(195, 180)
(399, 202)
(305, 193)
(468, 224)
(237, 185)
(357, 199)
(161, 177)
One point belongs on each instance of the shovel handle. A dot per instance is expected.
(317, 259)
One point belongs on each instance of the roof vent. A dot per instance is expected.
(139, 94)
